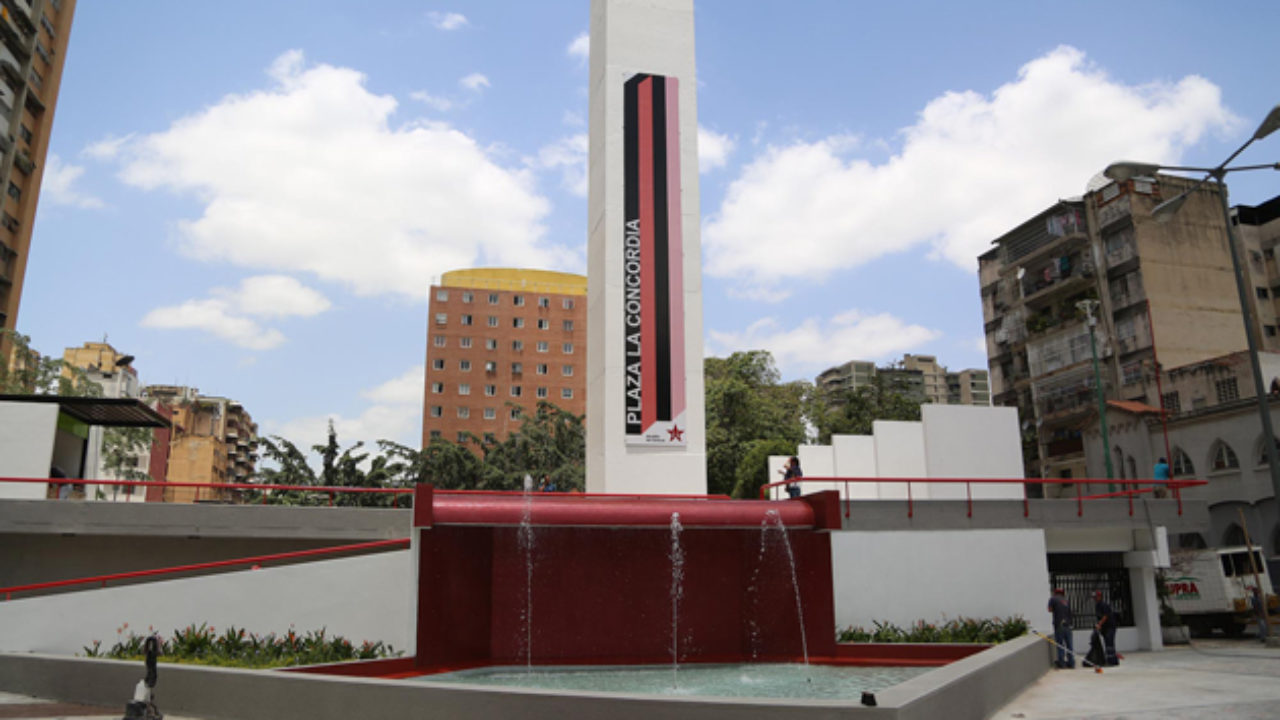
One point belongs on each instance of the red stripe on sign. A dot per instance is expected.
(648, 318)
(675, 249)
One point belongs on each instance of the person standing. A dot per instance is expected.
(1259, 606)
(791, 472)
(1161, 473)
(1062, 629)
(1106, 626)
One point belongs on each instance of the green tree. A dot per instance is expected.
(24, 371)
(852, 412)
(753, 469)
(551, 441)
(746, 404)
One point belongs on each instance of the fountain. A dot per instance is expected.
(677, 590)
(771, 517)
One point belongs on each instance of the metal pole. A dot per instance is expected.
(1089, 306)
(1260, 390)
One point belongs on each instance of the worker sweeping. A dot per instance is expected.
(143, 706)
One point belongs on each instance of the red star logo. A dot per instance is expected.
(676, 433)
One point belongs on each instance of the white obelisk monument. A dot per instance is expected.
(646, 428)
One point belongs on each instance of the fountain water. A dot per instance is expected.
(771, 517)
(526, 545)
(677, 592)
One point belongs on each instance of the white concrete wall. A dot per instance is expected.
(856, 457)
(911, 575)
(361, 598)
(630, 36)
(899, 454)
(26, 447)
(962, 441)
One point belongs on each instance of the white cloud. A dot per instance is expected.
(447, 21)
(474, 82)
(395, 413)
(58, 186)
(573, 119)
(569, 156)
(816, 344)
(713, 149)
(971, 168)
(439, 103)
(106, 148)
(580, 47)
(229, 313)
(308, 176)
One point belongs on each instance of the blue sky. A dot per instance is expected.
(252, 198)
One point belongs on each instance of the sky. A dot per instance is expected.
(254, 198)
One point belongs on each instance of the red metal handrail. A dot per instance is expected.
(1144, 486)
(254, 560)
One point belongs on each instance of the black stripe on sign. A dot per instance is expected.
(631, 210)
(661, 250)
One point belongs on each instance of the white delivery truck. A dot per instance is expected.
(1210, 588)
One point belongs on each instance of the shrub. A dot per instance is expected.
(958, 630)
(237, 648)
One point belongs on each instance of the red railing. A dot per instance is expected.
(1141, 486)
(102, 580)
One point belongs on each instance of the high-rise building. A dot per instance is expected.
(920, 377)
(114, 373)
(498, 342)
(1165, 293)
(33, 48)
(211, 444)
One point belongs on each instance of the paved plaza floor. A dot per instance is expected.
(13, 707)
(1235, 679)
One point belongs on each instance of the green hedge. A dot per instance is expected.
(237, 648)
(958, 630)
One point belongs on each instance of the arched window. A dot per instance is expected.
(1234, 536)
(1191, 541)
(1223, 457)
(1262, 451)
(1181, 465)
(1132, 467)
(1119, 462)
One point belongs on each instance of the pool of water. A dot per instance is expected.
(765, 680)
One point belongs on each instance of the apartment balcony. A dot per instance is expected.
(11, 66)
(1120, 301)
(24, 162)
(17, 14)
(1121, 255)
(1047, 292)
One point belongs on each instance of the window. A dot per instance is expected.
(490, 390)
(542, 392)
(1270, 330)
(517, 345)
(435, 434)
(1172, 403)
(437, 364)
(1223, 457)
(1227, 390)
(489, 439)
(490, 413)
(43, 53)
(439, 340)
(517, 322)
(566, 393)
(25, 133)
(466, 319)
(490, 366)
(442, 319)
(493, 321)
(515, 413)
(493, 298)
(8, 221)
(442, 295)
(467, 297)
(437, 411)
(544, 324)
(464, 389)
(568, 326)
(15, 192)
(544, 302)
(568, 348)
(464, 342)
(567, 303)
(464, 365)
(542, 346)
(515, 391)
(462, 437)
(490, 344)
(1131, 373)
(567, 370)
(517, 300)
(437, 388)
(517, 368)
(1262, 293)
(48, 26)
(542, 369)
(464, 413)
(1262, 451)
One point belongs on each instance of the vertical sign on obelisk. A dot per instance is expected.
(645, 406)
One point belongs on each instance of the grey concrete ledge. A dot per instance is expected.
(1009, 514)
(970, 689)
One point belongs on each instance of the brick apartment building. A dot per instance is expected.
(499, 341)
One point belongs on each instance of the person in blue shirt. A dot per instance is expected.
(791, 472)
(1106, 625)
(1160, 472)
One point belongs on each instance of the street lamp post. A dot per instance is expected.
(1165, 211)
(1088, 307)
